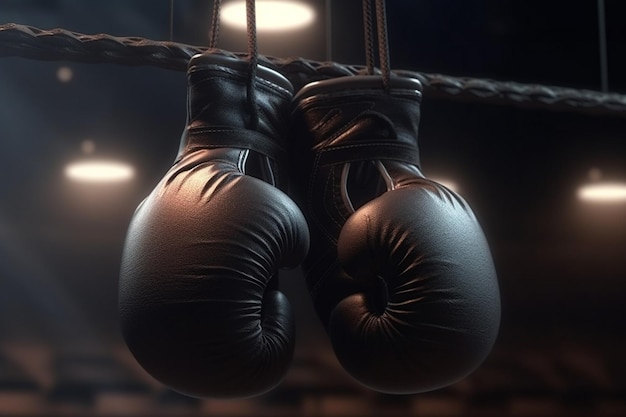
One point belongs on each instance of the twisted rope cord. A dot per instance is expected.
(369, 36)
(215, 24)
(382, 40)
(63, 45)
(253, 51)
(383, 43)
(253, 58)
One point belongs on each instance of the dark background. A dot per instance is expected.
(561, 262)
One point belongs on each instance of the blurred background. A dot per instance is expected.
(561, 259)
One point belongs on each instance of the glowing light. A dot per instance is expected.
(271, 16)
(603, 192)
(65, 74)
(99, 171)
(88, 146)
(595, 174)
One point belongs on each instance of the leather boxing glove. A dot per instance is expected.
(399, 270)
(199, 304)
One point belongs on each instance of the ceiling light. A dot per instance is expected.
(88, 146)
(271, 16)
(603, 192)
(65, 74)
(99, 171)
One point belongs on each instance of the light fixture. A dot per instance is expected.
(99, 171)
(65, 74)
(596, 191)
(603, 192)
(271, 15)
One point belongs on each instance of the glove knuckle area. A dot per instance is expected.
(256, 213)
(238, 212)
(414, 241)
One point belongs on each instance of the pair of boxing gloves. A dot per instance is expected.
(397, 265)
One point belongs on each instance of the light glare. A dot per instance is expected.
(603, 192)
(65, 74)
(99, 171)
(449, 184)
(271, 16)
(88, 146)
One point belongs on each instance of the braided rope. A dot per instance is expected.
(253, 58)
(215, 24)
(383, 43)
(63, 45)
(369, 36)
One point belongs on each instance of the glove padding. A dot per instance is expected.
(199, 301)
(399, 269)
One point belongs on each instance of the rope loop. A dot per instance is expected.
(215, 24)
(382, 38)
(253, 53)
(253, 58)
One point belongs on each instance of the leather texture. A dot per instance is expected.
(399, 269)
(199, 302)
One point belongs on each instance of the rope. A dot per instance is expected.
(253, 57)
(215, 24)
(369, 36)
(383, 43)
(171, 20)
(383, 40)
(604, 66)
(63, 45)
(253, 53)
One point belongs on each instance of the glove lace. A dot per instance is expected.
(383, 41)
(253, 52)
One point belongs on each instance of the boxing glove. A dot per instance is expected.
(399, 269)
(199, 302)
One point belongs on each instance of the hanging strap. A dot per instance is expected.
(253, 58)
(215, 24)
(383, 42)
(253, 53)
(368, 23)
